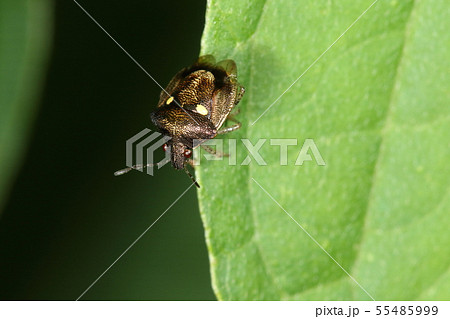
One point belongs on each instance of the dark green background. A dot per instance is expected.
(68, 218)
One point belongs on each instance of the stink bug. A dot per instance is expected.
(194, 106)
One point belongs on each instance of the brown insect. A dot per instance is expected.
(194, 106)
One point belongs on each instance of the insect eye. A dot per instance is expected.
(187, 153)
(164, 147)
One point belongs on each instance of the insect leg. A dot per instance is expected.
(138, 167)
(225, 130)
(239, 95)
(235, 127)
(212, 151)
(189, 174)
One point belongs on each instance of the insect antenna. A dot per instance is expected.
(136, 167)
(192, 177)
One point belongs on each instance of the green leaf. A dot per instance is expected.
(24, 45)
(377, 107)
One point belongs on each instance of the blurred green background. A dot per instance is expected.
(65, 218)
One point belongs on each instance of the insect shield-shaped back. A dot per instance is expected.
(194, 106)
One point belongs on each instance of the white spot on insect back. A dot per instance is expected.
(169, 100)
(201, 109)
